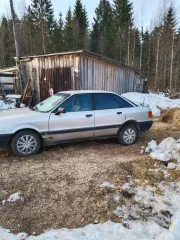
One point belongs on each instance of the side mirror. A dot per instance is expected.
(60, 110)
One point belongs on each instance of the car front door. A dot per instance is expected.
(78, 121)
(108, 114)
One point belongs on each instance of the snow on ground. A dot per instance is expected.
(155, 101)
(14, 197)
(168, 149)
(5, 106)
(150, 216)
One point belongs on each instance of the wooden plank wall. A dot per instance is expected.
(74, 72)
(101, 75)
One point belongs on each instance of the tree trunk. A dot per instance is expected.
(172, 59)
(15, 30)
(149, 55)
(42, 25)
(18, 84)
(128, 53)
(134, 47)
(157, 61)
(140, 64)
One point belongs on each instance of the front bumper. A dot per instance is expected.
(145, 126)
(4, 140)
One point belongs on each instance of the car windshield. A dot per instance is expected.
(51, 102)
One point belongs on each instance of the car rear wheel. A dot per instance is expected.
(26, 143)
(128, 135)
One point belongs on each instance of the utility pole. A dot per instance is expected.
(18, 83)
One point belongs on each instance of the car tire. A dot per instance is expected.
(26, 143)
(128, 135)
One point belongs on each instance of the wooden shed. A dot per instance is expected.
(79, 70)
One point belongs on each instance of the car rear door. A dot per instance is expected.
(108, 114)
(78, 121)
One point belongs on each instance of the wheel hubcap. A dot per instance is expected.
(129, 136)
(26, 144)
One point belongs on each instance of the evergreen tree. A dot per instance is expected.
(95, 37)
(6, 43)
(102, 35)
(170, 20)
(80, 25)
(58, 36)
(43, 10)
(123, 11)
(145, 54)
(69, 32)
(43, 18)
(167, 38)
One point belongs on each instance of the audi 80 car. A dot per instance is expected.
(72, 116)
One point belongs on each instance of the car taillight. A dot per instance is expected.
(150, 114)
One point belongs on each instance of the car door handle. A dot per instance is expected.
(119, 113)
(89, 115)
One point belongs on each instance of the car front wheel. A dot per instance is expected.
(26, 143)
(128, 135)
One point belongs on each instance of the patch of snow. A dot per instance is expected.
(107, 185)
(111, 185)
(5, 106)
(127, 186)
(164, 157)
(157, 102)
(152, 146)
(105, 231)
(145, 219)
(168, 149)
(14, 197)
(171, 166)
(151, 206)
(116, 198)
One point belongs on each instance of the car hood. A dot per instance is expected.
(18, 113)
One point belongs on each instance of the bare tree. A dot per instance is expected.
(15, 30)
(18, 84)
(157, 60)
(172, 59)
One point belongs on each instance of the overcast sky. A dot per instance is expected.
(144, 10)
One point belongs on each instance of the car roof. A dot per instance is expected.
(84, 91)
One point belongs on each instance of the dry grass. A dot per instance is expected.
(171, 117)
(176, 119)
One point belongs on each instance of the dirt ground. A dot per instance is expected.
(61, 186)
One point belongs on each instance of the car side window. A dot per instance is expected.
(122, 103)
(105, 101)
(78, 103)
(68, 104)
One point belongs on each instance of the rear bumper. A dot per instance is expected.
(145, 126)
(4, 140)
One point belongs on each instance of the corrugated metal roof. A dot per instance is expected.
(86, 52)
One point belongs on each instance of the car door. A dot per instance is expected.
(108, 114)
(78, 121)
